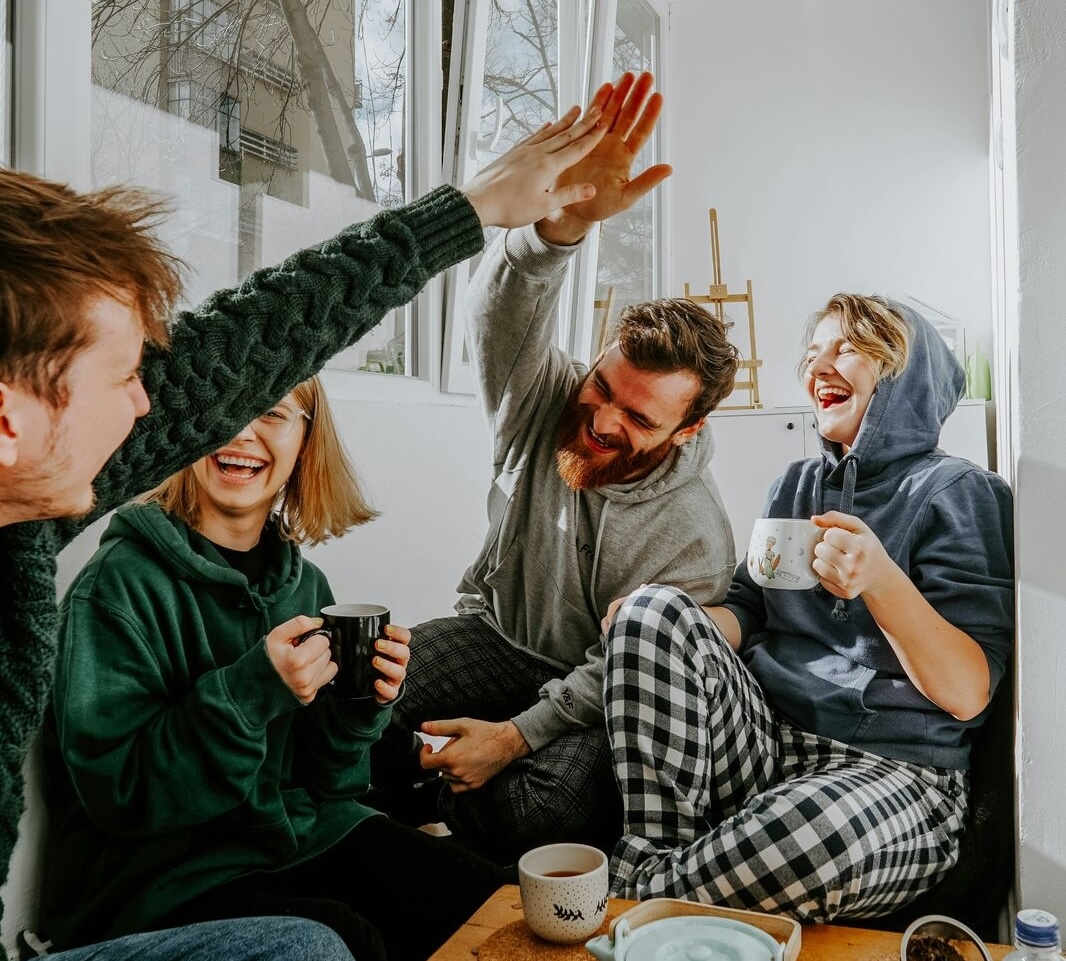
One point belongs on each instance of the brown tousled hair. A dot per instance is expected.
(672, 335)
(59, 251)
(322, 497)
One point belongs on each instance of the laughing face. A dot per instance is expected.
(839, 381)
(622, 422)
(240, 482)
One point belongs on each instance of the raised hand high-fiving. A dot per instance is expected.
(522, 185)
(629, 113)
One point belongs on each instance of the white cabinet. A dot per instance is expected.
(753, 447)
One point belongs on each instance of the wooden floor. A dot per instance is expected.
(821, 942)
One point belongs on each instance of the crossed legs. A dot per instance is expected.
(727, 805)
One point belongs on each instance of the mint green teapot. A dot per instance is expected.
(666, 929)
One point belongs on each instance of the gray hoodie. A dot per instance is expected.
(553, 558)
(824, 663)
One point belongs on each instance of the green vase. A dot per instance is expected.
(978, 376)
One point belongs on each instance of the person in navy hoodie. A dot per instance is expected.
(806, 752)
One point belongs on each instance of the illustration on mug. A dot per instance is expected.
(769, 561)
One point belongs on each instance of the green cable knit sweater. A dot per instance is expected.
(229, 360)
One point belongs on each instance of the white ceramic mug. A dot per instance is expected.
(564, 891)
(781, 551)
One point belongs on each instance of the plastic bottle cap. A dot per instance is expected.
(1037, 928)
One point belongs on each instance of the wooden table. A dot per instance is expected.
(821, 942)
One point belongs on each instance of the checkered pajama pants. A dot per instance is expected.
(728, 805)
(461, 667)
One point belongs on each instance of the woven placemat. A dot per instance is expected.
(515, 942)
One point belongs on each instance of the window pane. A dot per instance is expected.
(520, 92)
(521, 73)
(271, 123)
(628, 255)
(518, 75)
(380, 88)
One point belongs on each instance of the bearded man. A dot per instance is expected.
(600, 483)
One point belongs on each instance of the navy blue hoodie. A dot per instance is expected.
(823, 663)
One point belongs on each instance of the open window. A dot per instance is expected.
(514, 66)
(623, 263)
(271, 124)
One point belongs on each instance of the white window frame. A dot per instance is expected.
(52, 137)
(462, 161)
(6, 68)
(578, 339)
(590, 46)
(469, 37)
(52, 89)
(581, 290)
(423, 173)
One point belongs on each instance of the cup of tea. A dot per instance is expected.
(353, 629)
(781, 553)
(564, 891)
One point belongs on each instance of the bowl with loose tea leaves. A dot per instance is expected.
(937, 937)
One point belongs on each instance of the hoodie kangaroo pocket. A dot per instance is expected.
(522, 576)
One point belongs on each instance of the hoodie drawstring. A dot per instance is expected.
(840, 612)
(596, 550)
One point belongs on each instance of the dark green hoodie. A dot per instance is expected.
(177, 758)
(228, 361)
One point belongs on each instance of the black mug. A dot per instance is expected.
(352, 631)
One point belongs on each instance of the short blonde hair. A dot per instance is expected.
(322, 497)
(871, 326)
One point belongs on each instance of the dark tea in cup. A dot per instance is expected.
(353, 630)
(564, 891)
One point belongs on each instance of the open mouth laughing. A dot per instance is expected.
(238, 468)
(829, 397)
(598, 443)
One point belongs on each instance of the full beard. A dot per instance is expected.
(578, 466)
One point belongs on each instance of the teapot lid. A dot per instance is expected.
(695, 939)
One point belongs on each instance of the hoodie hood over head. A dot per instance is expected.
(905, 414)
(824, 663)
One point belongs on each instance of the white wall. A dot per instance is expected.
(844, 144)
(427, 469)
(1040, 449)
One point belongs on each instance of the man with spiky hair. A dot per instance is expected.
(102, 397)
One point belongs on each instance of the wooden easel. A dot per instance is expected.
(718, 296)
(604, 320)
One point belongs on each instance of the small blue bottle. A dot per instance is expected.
(1036, 936)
